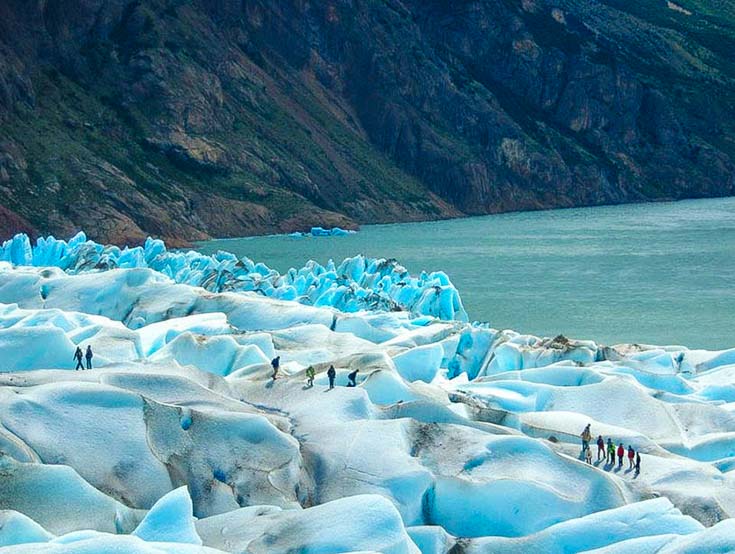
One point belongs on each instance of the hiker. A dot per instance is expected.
(310, 373)
(275, 364)
(631, 457)
(89, 356)
(588, 455)
(610, 451)
(600, 448)
(679, 360)
(351, 378)
(331, 373)
(637, 463)
(78, 355)
(586, 437)
(621, 453)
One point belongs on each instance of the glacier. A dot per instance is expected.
(356, 284)
(457, 437)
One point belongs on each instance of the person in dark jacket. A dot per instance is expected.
(352, 378)
(621, 453)
(631, 457)
(637, 463)
(600, 448)
(89, 356)
(78, 355)
(331, 374)
(275, 364)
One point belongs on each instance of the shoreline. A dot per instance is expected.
(487, 215)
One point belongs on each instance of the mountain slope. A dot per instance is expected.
(221, 118)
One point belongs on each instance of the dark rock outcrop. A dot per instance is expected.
(190, 119)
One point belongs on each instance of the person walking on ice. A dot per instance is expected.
(600, 448)
(310, 373)
(621, 453)
(610, 452)
(637, 463)
(586, 437)
(331, 374)
(631, 457)
(352, 378)
(588, 455)
(78, 355)
(89, 356)
(275, 364)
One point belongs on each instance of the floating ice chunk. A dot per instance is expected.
(338, 232)
(170, 520)
(319, 232)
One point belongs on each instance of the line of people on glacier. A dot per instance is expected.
(79, 355)
(607, 451)
(311, 374)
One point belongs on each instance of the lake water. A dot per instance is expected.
(649, 273)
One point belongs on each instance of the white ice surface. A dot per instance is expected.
(456, 434)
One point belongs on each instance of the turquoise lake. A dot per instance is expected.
(648, 273)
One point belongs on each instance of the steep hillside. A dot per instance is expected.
(190, 119)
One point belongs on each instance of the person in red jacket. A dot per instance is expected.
(631, 457)
(621, 453)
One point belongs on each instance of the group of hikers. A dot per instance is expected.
(311, 373)
(607, 451)
(78, 355)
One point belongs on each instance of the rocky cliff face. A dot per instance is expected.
(190, 119)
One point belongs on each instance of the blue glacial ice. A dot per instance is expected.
(322, 232)
(457, 436)
(356, 284)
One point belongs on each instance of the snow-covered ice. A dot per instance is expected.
(457, 435)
